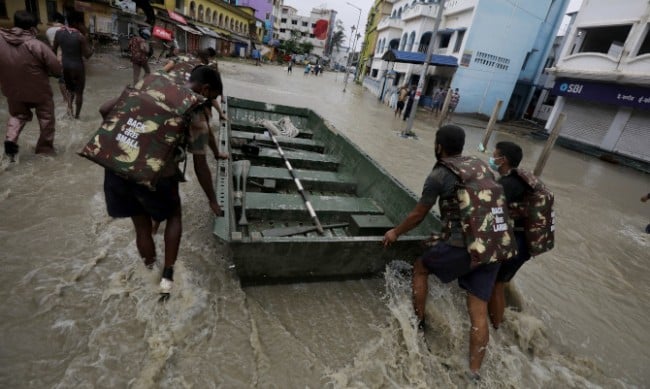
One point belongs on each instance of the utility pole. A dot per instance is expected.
(354, 46)
(425, 68)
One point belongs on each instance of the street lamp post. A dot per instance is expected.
(354, 45)
(425, 67)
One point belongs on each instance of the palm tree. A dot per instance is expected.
(338, 38)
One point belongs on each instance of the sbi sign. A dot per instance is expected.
(571, 88)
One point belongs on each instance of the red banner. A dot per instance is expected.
(321, 28)
(176, 17)
(161, 33)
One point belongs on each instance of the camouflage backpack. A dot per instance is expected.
(142, 132)
(537, 212)
(480, 206)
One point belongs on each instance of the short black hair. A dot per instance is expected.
(58, 17)
(511, 151)
(75, 19)
(25, 20)
(451, 138)
(207, 75)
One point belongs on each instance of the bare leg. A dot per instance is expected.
(479, 334)
(420, 288)
(143, 238)
(173, 231)
(136, 73)
(79, 96)
(497, 304)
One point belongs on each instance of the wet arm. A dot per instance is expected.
(169, 66)
(413, 219)
(50, 60)
(86, 50)
(107, 107)
(204, 176)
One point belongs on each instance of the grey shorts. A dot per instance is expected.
(449, 263)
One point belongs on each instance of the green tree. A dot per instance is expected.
(306, 47)
(338, 38)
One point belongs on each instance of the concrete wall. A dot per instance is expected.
(500, 35)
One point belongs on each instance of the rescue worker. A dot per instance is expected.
(125, 198)
(140, 53)
(451, 257)
(505, 160)
(182, 65)
(26, 63)
(74, 48)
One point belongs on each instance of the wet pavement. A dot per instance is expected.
(79, 310)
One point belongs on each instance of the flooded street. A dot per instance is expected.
(80, 310)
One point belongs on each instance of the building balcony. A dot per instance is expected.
(387, 23)
(599, 66)
(420, 11)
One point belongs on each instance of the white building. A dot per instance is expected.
(277, 15)
(304, 27)
(492, 44)
(603, 78)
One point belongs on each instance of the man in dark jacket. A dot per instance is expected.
(74, 48)
(26, 64)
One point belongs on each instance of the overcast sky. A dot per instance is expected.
(349, 14)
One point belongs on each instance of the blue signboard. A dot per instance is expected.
(622, 95)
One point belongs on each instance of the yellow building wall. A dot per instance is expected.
(370, 40)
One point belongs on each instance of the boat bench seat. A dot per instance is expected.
(298, 143)
(274, 206)
(298, 159)
(310, 179)
(254, 128)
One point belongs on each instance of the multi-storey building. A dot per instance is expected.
(493, 40)
(602, 78)
(263, 11)
(277, 13)
(379, 10)
(303, 27)
(193, 23)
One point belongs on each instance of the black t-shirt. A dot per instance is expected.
(442, 183)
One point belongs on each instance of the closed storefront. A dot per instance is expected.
(587, 122)
(635, 138)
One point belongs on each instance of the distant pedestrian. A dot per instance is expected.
(139, 48)
(26, 63)
(402, 95)
(453, 103)
(290, 68)
(307, 69)
(409, 104)
(74, 48)
(437, 100)
(644, 199)
(443, 98)
(59, 21)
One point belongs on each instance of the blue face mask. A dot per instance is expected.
(493, 164)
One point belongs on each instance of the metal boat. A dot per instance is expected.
(309, 207)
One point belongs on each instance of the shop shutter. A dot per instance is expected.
(587, 122)
(635, 139)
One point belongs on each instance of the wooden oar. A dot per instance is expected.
(289, 231)
(301, 190)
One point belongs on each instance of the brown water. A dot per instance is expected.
(79, 310)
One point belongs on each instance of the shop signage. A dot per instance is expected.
(616, 94)
(161, 33)
(176, 17)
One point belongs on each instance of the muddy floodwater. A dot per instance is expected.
(78, 309)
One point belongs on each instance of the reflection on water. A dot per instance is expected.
(79, 310)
